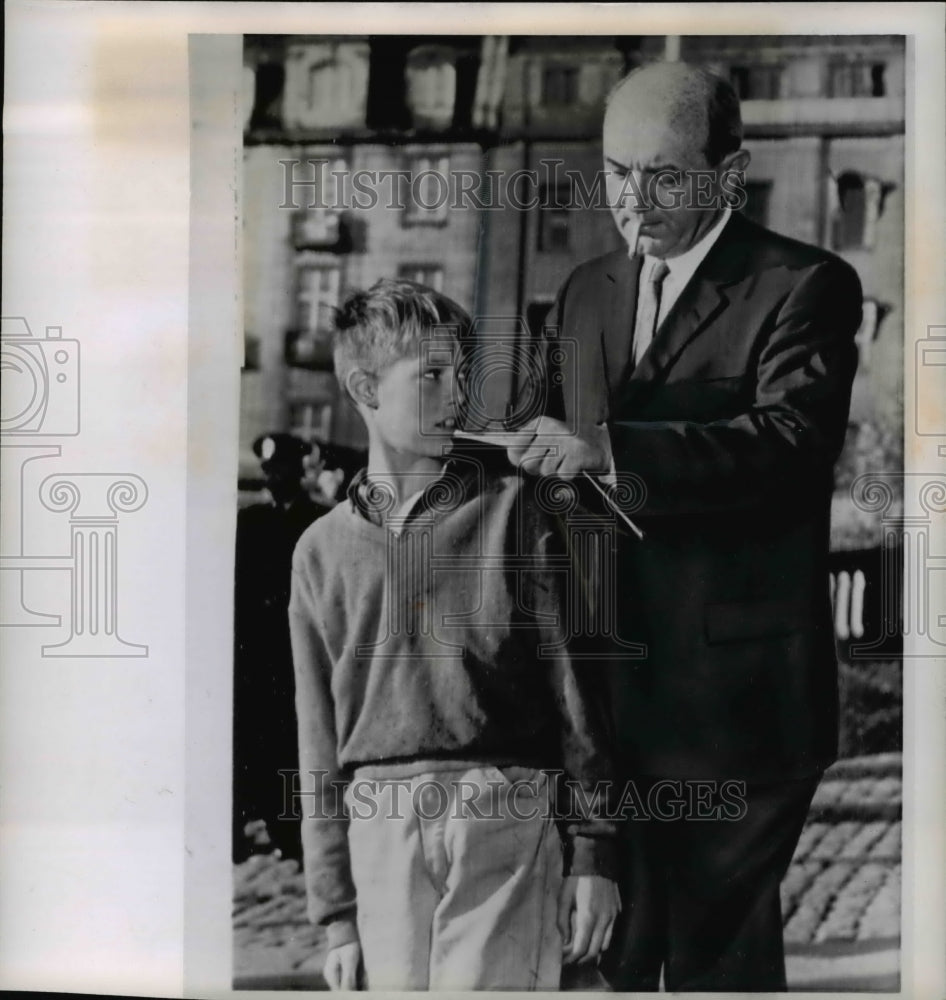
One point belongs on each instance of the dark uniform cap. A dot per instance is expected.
(337, 456)
(280, 447)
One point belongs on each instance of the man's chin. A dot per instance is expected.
(651, 246)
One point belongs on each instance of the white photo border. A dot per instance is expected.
(121, 226)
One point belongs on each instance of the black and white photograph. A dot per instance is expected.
(674, 259)
(473, 500)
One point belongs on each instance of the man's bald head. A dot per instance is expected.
(672, 152)
(687, 99)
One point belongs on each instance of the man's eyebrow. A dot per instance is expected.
(652, 169)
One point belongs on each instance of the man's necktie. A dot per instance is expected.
(648, 309)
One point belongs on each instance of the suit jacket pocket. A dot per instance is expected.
(744, 620)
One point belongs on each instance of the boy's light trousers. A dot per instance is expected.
(457, 874)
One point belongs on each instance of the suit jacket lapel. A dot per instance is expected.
(701, 301)
(618, 330)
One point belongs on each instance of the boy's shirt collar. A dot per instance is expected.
(375, 502)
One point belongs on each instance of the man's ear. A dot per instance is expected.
(732, 176)
(362, 386)
(740, 159)
(737, 161)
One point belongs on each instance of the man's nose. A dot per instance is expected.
(634, 195)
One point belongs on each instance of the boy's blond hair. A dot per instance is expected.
(373, 329)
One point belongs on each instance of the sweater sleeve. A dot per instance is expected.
(330, 892)
(563, 594)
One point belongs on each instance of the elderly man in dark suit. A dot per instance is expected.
(715, 361)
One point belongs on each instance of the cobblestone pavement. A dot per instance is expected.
(840, 899)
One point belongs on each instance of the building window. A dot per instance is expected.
(251, 353)
(424, 274)
(427, 195)
(265, 93)
(871, 318)
(849, 212)
(309, 345)
(317, 225)
(758, 194)
(317, 297)
(311, 419)
(554, 219)
(537, 312)
(559, 85)
(326, 85)
(857, 79)
(757, 83)
(431, 78)
(855, 205)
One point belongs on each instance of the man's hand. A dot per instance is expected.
(342, 966)
(588, 905)
(547, 447)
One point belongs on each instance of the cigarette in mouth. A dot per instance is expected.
(633, 234)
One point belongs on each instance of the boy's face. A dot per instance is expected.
(418, 400)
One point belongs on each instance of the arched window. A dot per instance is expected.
(872, 316)
(431, 86)
(326, 85)
(855, 204)
(559, 85)
(316, 297)
(850, 217)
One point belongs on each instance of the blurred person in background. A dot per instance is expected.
(337, 467)
(264, 721)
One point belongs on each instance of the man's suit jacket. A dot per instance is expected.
(733, 419)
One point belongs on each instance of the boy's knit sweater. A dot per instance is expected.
(418, 638)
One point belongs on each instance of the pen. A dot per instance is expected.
(617, 510)
(500, 440)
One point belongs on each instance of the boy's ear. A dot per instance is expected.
(363, 388)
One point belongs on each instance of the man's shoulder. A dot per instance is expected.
(772, 266)
(769, 249)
